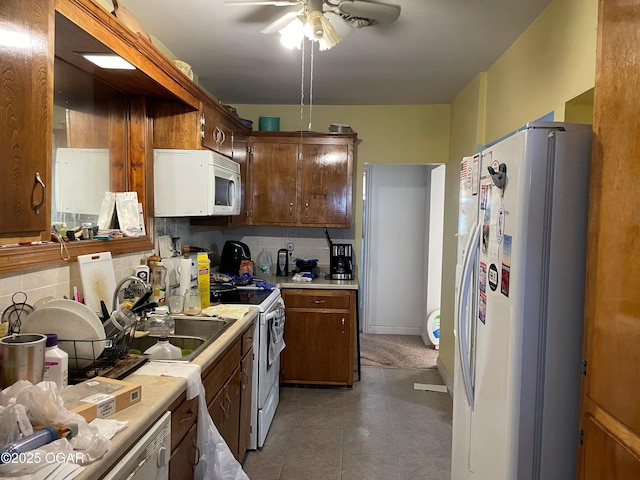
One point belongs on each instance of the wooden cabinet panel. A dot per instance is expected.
(332, 299)
(216, 376)
(26, 129)
(218, 134)
(240, 155)
(605, 458)
(225, 411)
(325, 185)
(175, 125)
(319, 338)
(611, 391)
(317, 348)
(184, 414)
(185, 457)
(304, 180)
(273, 183)
(178, 125)
(246, 387)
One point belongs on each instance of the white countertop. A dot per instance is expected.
(318, 282)
(158, 393)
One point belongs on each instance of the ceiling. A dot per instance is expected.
(427, 56)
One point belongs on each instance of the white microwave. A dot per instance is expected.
(195, 183)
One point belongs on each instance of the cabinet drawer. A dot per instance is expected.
(222, 370)
(247, 340)
(318, 299)
(182, 419)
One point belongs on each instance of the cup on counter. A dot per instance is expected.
(176, 304)
(192, 302)
(22, 358)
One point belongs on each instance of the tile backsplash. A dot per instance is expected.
(308, 242)
(57, 282)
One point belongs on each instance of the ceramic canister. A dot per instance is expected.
(269, 124)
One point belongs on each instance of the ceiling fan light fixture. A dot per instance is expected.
(291, 36)
(315, 26)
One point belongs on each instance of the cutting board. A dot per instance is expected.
(98, 279)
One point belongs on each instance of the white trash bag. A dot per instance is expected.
(23, 405)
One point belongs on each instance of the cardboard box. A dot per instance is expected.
(100, 397)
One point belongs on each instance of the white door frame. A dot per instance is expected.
(366, 235)
(365, 274)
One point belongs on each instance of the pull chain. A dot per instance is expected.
(302, 92)
(311, 87)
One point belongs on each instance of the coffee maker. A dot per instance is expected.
(341, 260)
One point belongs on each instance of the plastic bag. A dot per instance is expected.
(216, 460)
(43, 405)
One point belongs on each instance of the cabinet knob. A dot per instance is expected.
(306, 209)
(342, 323)
(291, 209)
(319, 302)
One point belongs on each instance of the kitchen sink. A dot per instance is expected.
(192, 335)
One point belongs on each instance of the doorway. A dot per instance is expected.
(403, 219)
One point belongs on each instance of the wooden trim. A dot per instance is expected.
(23, 258)
(625, 436)
(106, 28)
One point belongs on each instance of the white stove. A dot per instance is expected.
(265, 392)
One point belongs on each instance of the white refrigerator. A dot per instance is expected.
(519, 305)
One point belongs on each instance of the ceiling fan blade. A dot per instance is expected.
(275, 3)
(380, 12)
(280, 22)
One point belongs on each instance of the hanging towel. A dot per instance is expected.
(276, 334)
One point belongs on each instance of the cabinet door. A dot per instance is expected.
(325, 185)
(273, 183)
(240, 155)
(246, 374)
(26, 129)
(318, 347)
(225, 411)
(185, 457)
(218, 135)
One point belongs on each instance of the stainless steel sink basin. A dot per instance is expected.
(192, 335)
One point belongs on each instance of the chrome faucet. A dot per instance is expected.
(130, 278)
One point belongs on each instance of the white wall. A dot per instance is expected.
(433, 252)
(396, 242)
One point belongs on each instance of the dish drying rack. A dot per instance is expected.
(86, 360)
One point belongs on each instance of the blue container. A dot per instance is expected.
(269, 124)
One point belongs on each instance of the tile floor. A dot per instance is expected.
(381, 429)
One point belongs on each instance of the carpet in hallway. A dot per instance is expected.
(396, 351)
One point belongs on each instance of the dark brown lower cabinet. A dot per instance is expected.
(320, 336)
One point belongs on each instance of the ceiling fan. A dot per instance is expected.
(326, 21)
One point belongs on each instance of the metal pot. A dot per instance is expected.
(22, 358)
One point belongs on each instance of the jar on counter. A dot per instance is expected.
(160, 323)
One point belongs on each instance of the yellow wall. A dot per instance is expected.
(544, 70)
(552, 62)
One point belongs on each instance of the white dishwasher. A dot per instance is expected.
(148, 458)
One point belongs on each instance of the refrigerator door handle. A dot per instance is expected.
(463, 341)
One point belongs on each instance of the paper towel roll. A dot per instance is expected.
(185, 275)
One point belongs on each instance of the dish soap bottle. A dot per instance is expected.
(56, 363)
(264, 262)
(163, 350)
